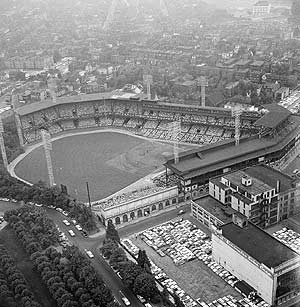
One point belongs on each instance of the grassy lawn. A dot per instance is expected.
(194, 277)
(36, 285)
(109, 161)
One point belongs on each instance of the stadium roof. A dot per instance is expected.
(257, 243)
(274, 116)
(35, 107)
(224, 154)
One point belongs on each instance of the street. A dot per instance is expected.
(93, 244)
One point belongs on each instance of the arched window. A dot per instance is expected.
(118, 221)
(140, 213)
(153, 207)
(167, 203)
(132, 215)
(160, 206)
(125, 218)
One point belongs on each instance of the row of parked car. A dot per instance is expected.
(161, 277)
(188, 242)
(174, 239)
(289, 238)
(230, 301)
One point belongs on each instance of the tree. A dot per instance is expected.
(143, 261)
(111, 232)
(177, 300)
(118, 256)
(145, 286)
(129, 272)
(108, 248)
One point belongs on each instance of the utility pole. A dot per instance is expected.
(88, 193)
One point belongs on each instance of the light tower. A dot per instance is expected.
(52, 87)
(17, 120)
(236, 113)
(2, 145)
(175, 128)
(163, 8)
(203, 83)
(148, 80)
(46, 137)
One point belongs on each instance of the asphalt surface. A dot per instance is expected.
(93, 244)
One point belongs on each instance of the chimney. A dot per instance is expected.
(239, 220)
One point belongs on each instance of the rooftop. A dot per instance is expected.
(215, 208)
(257, 186)
(258, 244)
(224, 154)
(270, 176)
(38, 106)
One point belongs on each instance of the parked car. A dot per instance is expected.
(66, 222)
(72, 233)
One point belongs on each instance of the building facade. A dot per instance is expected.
(123, 213)
(263, 195)
(260, 260)
(261, 8)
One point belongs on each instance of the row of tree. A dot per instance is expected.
(14, 290)
(69, 277)
(137, 276)
(41, 194)
(33, 229)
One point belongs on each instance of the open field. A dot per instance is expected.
(36, 285)
(194, 277)
(109, 161)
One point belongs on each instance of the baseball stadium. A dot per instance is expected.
(115, 140)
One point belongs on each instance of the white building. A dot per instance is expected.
(261, 8)
(137, 205)
(264, 195)
(254, 256)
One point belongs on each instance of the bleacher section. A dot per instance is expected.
(138, 118)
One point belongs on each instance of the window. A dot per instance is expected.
(286, 197)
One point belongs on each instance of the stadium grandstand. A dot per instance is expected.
(278, 134)
(199, 125)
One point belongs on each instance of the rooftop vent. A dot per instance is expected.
(246, 181)
(239, 220)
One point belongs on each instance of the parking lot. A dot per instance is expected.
(183, 252)
(289, 238)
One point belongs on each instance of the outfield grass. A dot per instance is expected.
(34, 281)
(109, 161)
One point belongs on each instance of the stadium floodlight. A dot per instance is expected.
(203, 83)
(148, 80)
(175, 128)
(52, 87)
(2, 145)
(17, 120)
(236, 113)
(46, 138)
